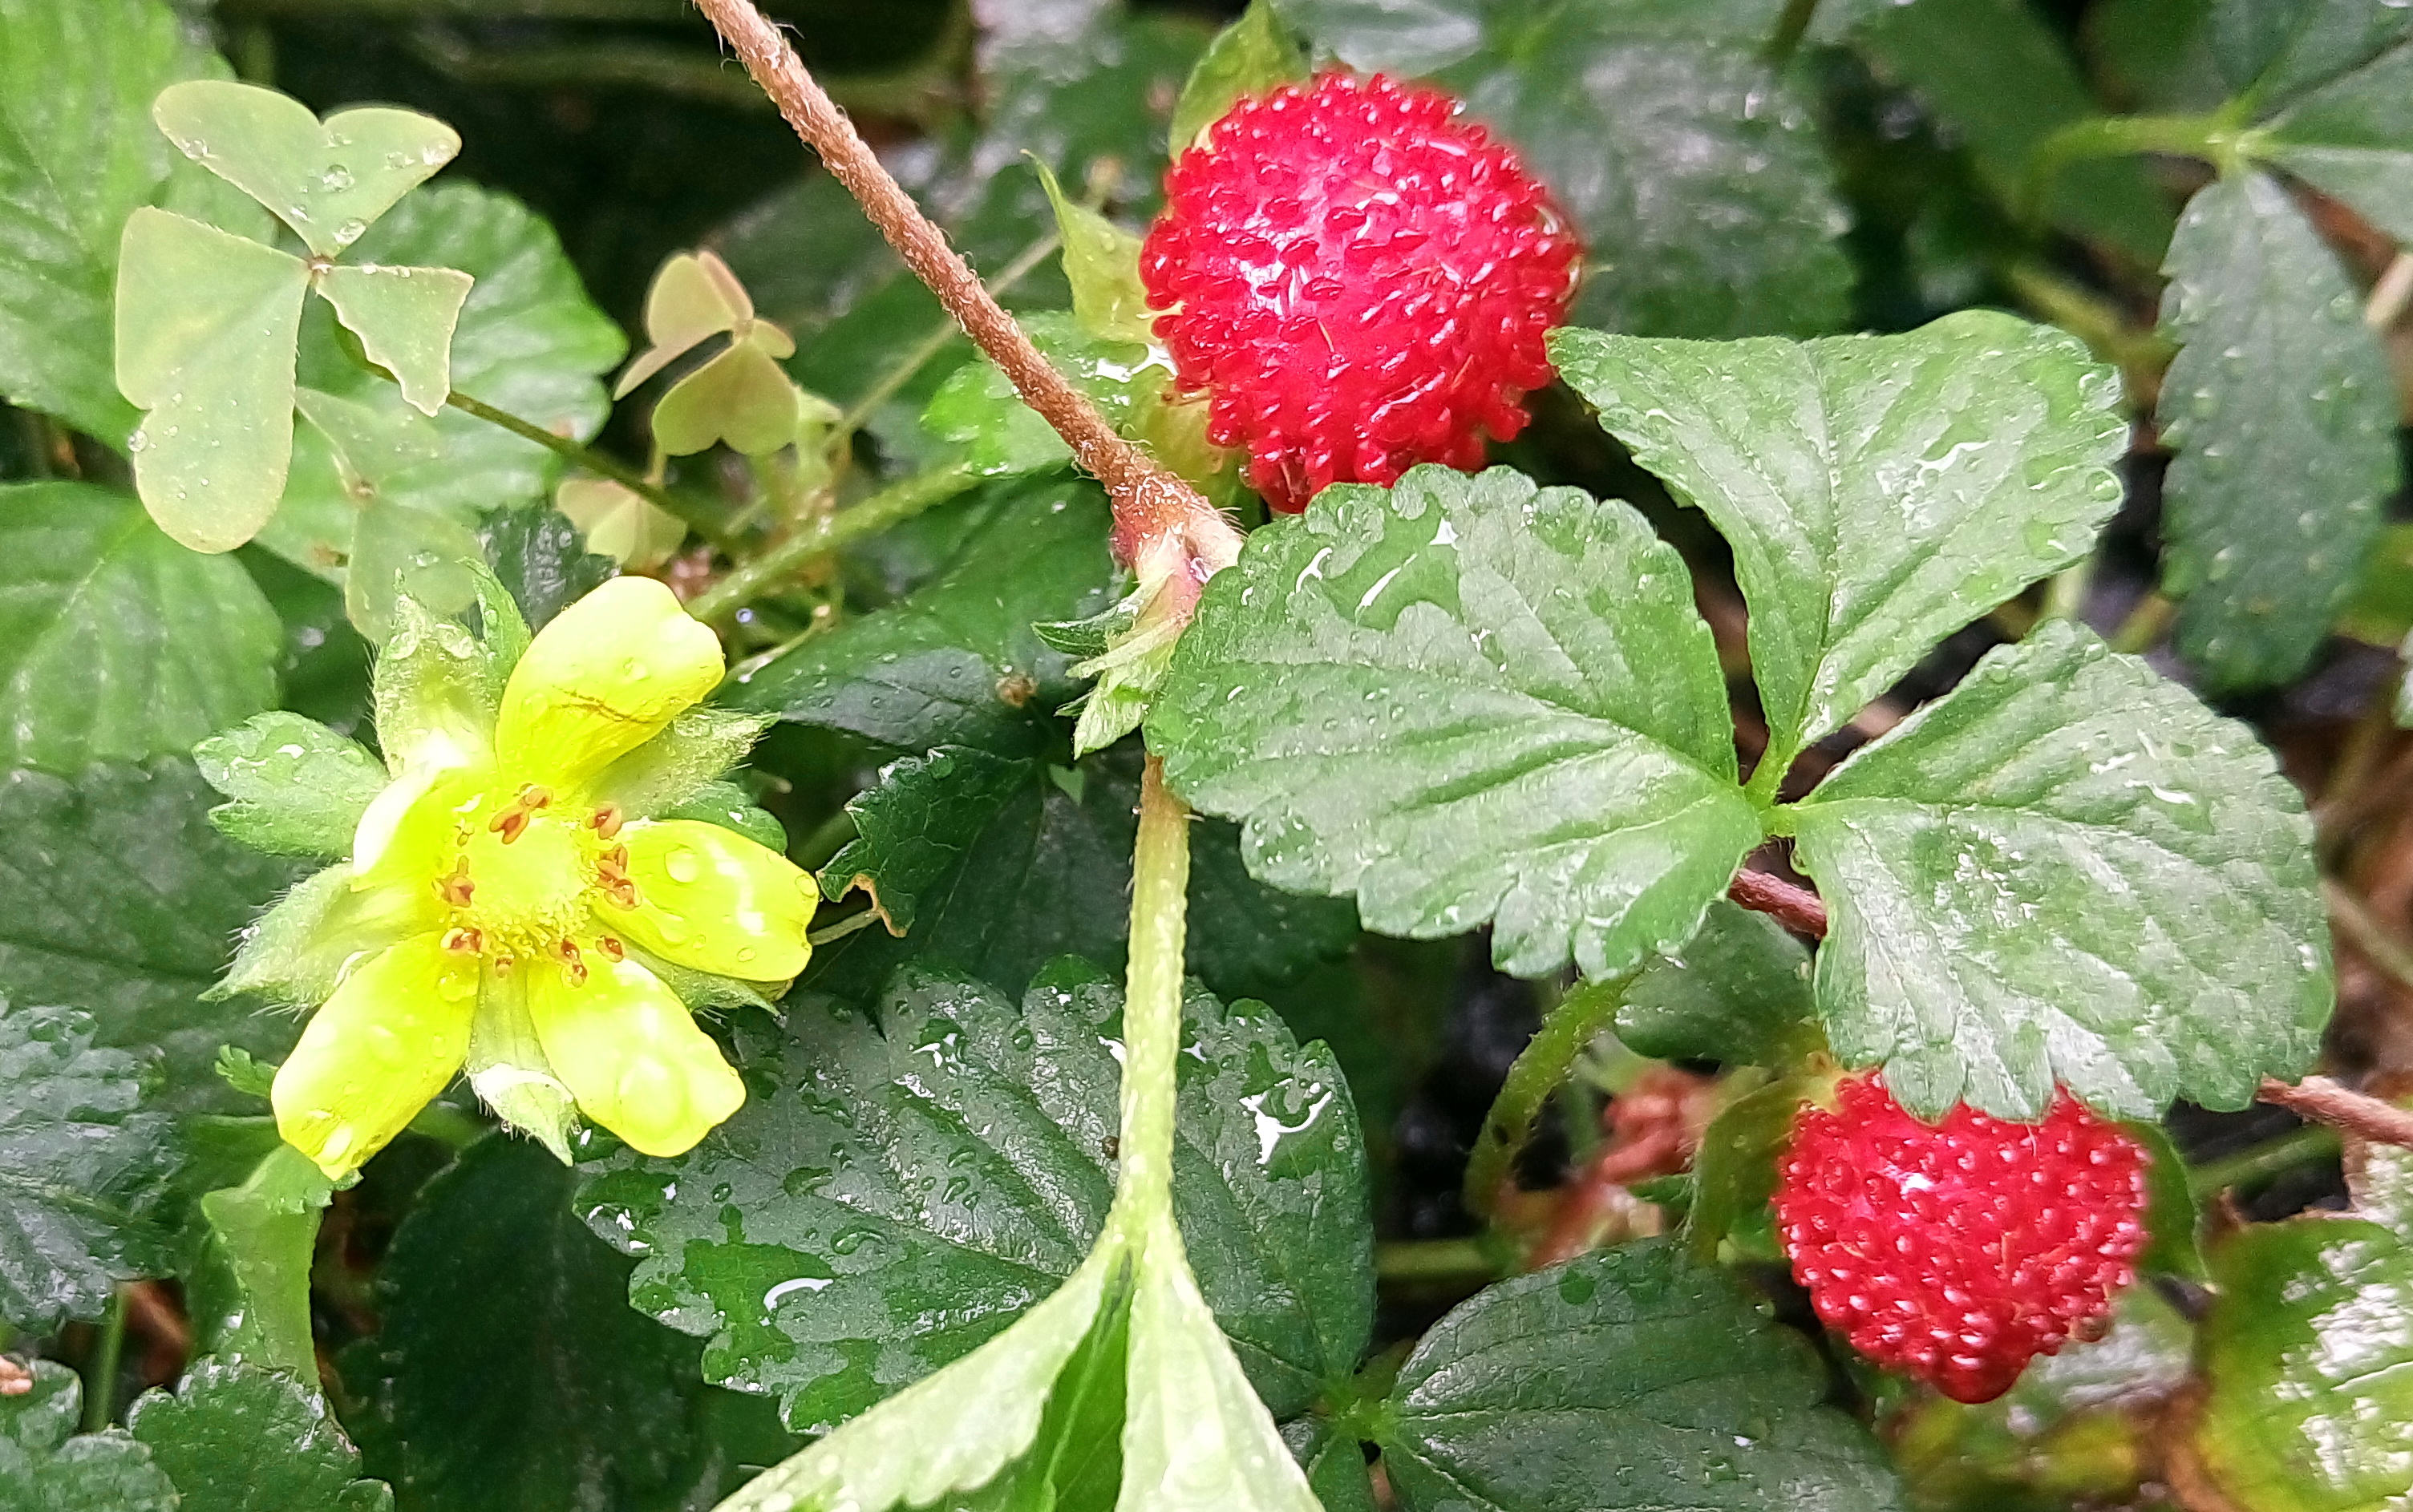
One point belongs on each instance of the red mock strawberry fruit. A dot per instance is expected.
(1357, 282)
(1958, 1252)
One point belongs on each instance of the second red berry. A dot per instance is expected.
(1957, 1253)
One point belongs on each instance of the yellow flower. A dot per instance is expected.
(509, 905)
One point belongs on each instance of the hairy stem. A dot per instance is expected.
(2297, 1147)
(2364, 930)
(899, 501)
(918, 355)
(1152, 991)
(101, 1369)
(1151, 504)
(2324, 1101)
(1539, 1069)
(1797, 909)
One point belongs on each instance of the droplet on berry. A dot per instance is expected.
(1359, 283)
(1959, 1252)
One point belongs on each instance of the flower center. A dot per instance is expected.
(522, 873)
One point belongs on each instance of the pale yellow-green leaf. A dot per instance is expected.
(404, 317)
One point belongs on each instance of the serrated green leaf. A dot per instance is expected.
(1405, 37)
(117, 894)
(537, 556)
(1737, 992)
(1649, 122)
(2280, 407)
(1064, 835)
(404, 318)
(2307, 1362)
(1467, 699)
(2272, 50)
(528, 341)
(78, 155)
(1251, 57)
(1506, 1403)
(1335, 1465)
(956, 662)
(44, 1469)
(296, 787)
(509, 1373)
(2354, 139)
(2003, 80)
(243, 1438)
(206, 328)
(115, 642)
(909, 1189)
(912, 829)
(1879, 491)
(2067, 869)
(78, 1154)
(329, 182)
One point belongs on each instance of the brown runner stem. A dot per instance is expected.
(2324, 1101)
(1151, 504)
(1797, 909)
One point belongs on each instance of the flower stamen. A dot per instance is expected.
(611, 946)
(456, 888)
(606, 821)
(464, 940)
(573, 965)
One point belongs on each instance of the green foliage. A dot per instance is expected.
(296, 787)
(78, 155)
(913, 1184)
(1738, 992)
(962, 840)
(1709, 1404)
(2278, 393)
(1466, 701)
(242, 1438)
(957, 663)
(1253, 56)
(117, 894)
(116, 644)
(509, 1374)
(1879, 491)
(76, 1155)
(43, 1470)
(2067, 869)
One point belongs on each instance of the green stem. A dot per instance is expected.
(900, 500)
(2297, 1147)
(853, 923)
(1790, 28)
(1438, 1262)
(2212, 138)
(1543, 1063)
(828, 838)
(919, 355)
(101, 1369)
(2144, 625)
(2379, 944)
(1152, 995)
(2065, 596)
(699, 518)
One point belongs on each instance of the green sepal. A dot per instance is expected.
(296, 787)
(681, 764)
(1101, 263)
(1249, 57)
(294, 952)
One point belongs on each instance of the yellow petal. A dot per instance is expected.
(374, 1052)
(714, 900)
(630, 1053)
(602, 678)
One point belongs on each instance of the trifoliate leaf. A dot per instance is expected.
(909, 1189)
(244, 1438)
(297, 787)
(2280, 407)
(1466, 701)
(1879, 491)
(78, 1157)
(116, 644)
(2354, 139)
(2067, 870)
(1507, 1403)
(693, 298)
(742, 397)
(327, 180)
(206, 327)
